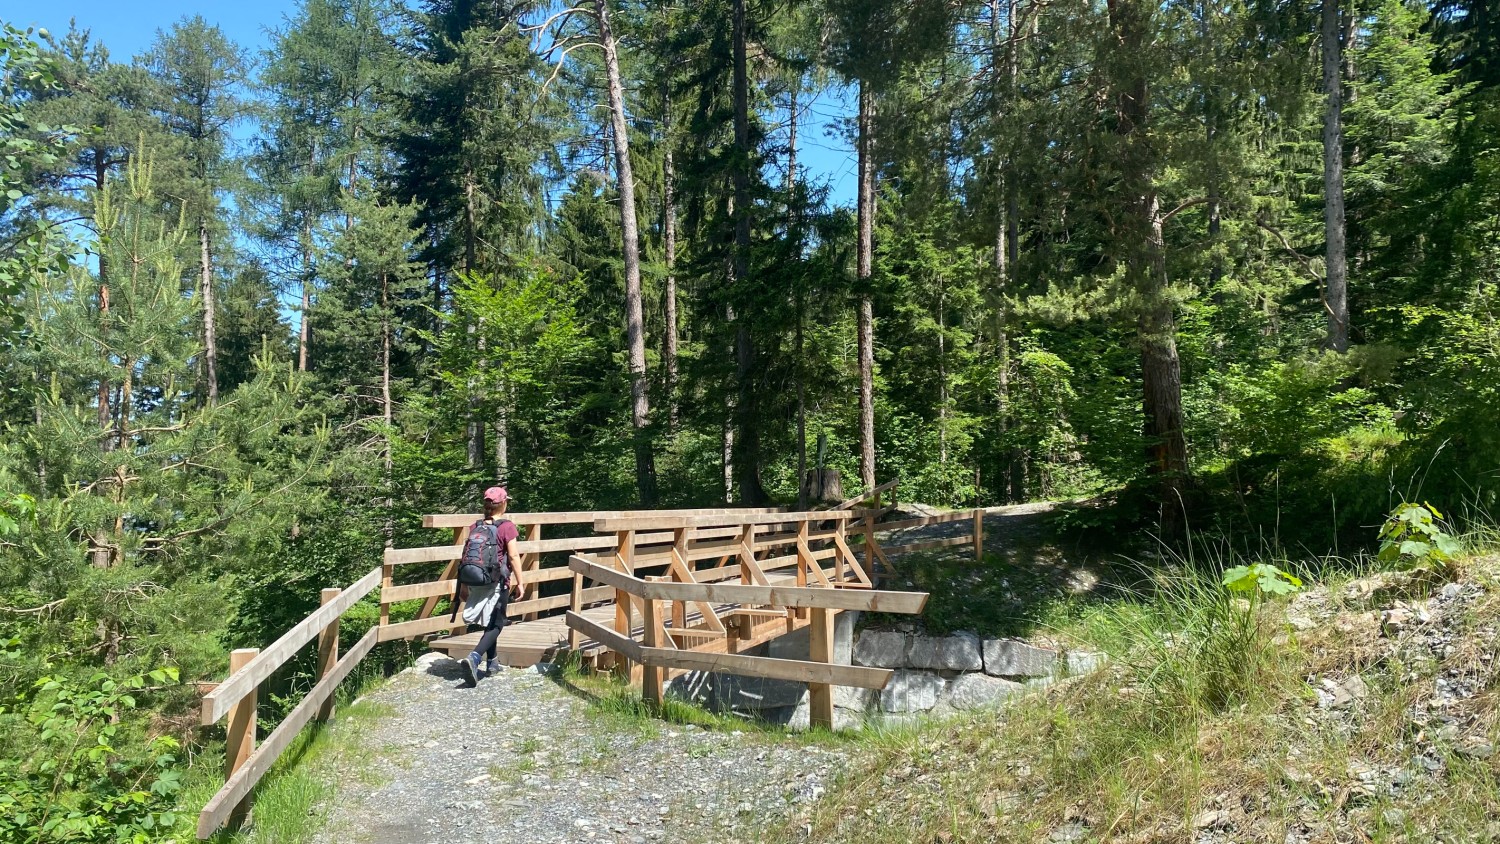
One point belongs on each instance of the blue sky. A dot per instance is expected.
(128, 28)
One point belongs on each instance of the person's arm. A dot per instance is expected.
(515, 572)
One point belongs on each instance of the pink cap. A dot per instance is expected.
(496, 494)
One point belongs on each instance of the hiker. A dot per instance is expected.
(487, 580)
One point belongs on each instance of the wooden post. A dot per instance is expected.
(625, 562)
(838, 557)
(820, 649)
(328, 654)
(679, 608)
(387, 572)
(651, 675)
(979, 536)
(239, 741)
(531, 562)
(870, 568)
(575, 603)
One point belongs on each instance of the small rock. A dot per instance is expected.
(1211, 819)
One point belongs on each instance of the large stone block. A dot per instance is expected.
(880, 649)
(1015, 658)
(1084, 662)
(911, 691)
(792, 645)
(853, 698)
(977, 691)
(753, 694)
(959, 652)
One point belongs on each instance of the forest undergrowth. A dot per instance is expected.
(1354, 700)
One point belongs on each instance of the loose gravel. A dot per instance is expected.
(536, 766)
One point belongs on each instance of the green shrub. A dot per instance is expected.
(88, 777)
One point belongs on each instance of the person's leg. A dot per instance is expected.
(492, 630)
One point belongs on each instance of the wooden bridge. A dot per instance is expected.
(647, 594)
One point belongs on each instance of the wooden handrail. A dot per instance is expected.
(867, 494)
(458, 520)
(656, 522)
(872, 600)
(238, 786)
(217, 702)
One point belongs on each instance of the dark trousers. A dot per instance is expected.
(492, 630)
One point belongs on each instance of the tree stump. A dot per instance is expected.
(823, 486)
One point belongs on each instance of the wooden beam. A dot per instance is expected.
(455, 520)
(238, 787)
(603, 635)
(328, 652)
(867, 494)
(239, 737)
(924, 521)
(673, 522)
(420, 627)
(820, 650)
(776, 669)
(978, 536)
(651, 677)
(931, 544)
(430, 554)
(244, 680)
(413, 591)
(781, 596)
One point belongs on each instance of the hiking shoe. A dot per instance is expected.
(471, 671)
(492, 667)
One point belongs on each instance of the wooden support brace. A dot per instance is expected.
(651, 675)
(450, 571)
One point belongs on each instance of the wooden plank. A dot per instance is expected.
(605, 636)
(239, 786)
(978, 536)
(867, 494)
(924, 521)
(430, 554)
(420, 627)
(413, 591)
(589, 596)
(455, 520)
(674, 522)
(820, 650)
(762, 666)
(651, 677)
(930, 545)
(217, 702)
(780, 596)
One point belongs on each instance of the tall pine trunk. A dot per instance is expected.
(635, 331)
(864, 262)
(1142, 242)
(747, 423)
(210, 332)
(1336, 296)
(669, 293)
(387, 408)
(475, 453)
(794, 231)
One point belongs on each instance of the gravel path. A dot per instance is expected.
(539, 768)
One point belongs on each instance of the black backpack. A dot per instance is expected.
(484, 561)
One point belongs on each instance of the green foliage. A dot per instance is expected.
(1260, 580)
(76, 777)
(1413, 536)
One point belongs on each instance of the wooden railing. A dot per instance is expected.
(656, 552)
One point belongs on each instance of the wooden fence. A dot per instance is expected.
(642, 565)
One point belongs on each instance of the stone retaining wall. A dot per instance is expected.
(932, 674)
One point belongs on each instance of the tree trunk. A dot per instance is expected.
(799, 303)
(1336, 298)
(747, 439)
(1142, 243)
(304, 331)
(669, 294)
(475, 455)
(864, 262)
(387, 410)
(635, 332)
(210, 333)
